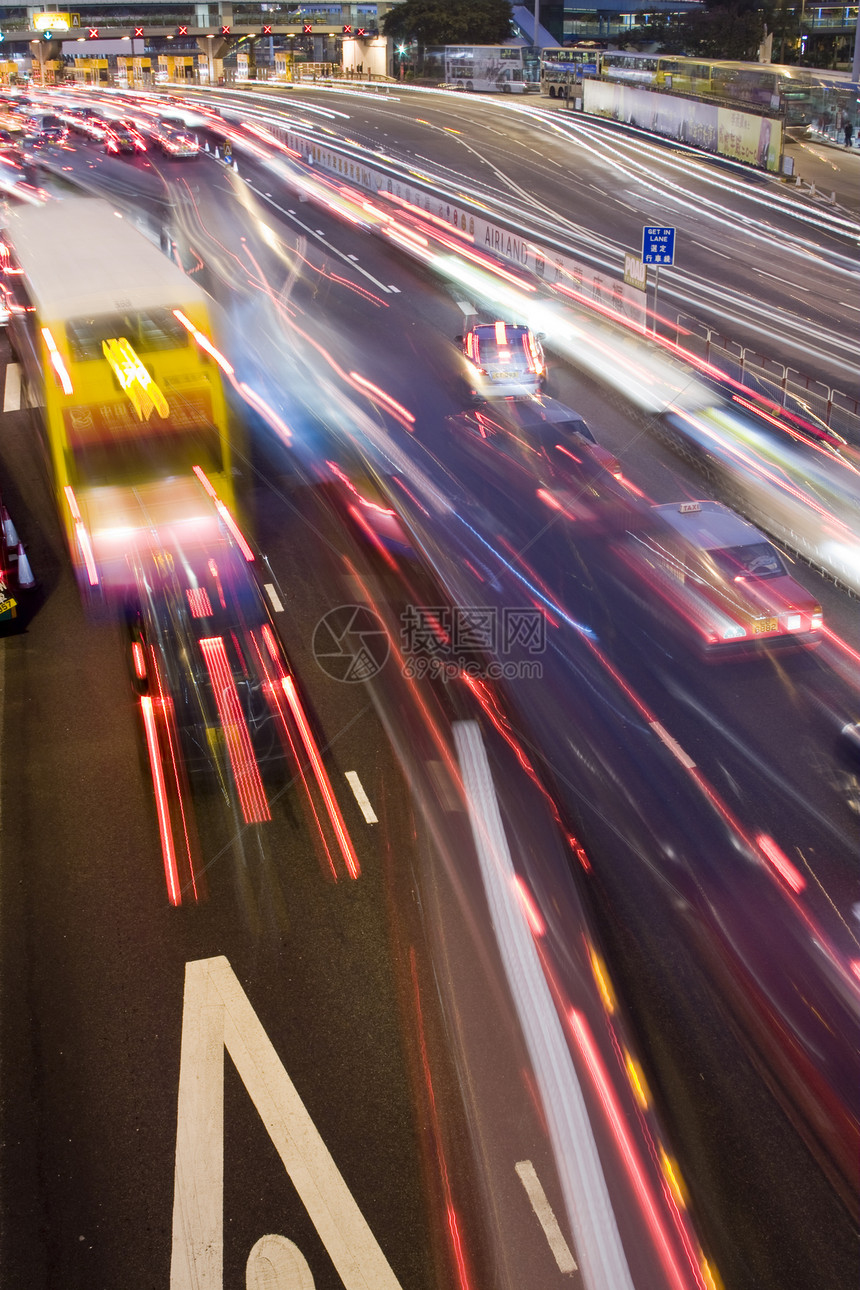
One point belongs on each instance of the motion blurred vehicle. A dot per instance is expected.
(44, 128)
(14, 575)
(802, 493)
(359, 494)
(728, 583)
(504, 360)
(11, 131)
(86, 121)
(208, 646)
(122, 137)
(118, 347)
(530, 448)
(548, 426)
(176, 142)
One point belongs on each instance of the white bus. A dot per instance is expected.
(496, 68)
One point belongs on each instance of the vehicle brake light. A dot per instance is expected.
(139, 660)
(501, 334)
(817, 619)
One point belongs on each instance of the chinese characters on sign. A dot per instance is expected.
(441, 642)
(658, 245)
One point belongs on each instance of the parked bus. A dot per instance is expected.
(114, 341)
(496, 68)
(561, 68)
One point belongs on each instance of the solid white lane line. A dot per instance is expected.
(12, 392)
(361, 797)
(273, 596)
(567, 1123)
(545, 1216)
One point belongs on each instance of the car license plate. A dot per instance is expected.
(765, 625)
(503, 376)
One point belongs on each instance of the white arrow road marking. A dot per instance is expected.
(217, 1015)
(276, 1264)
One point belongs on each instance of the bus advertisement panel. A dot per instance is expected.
(743, 136)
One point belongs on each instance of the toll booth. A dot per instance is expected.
(141, 70)
(317, 71)
(287, 64)
(91, 71)
(51, 72)
(175, 68)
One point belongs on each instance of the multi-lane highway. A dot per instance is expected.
(390, 1013)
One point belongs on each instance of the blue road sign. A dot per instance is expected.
(658, 246)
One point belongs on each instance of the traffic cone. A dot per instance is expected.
(236, 167)
(217, 153)
(205, 145)
(25, 573)
(9, 530)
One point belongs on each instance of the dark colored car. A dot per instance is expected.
(121, 137)
(526, 448)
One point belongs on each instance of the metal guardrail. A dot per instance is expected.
(836, 409)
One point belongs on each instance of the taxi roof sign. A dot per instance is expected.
(688, 508)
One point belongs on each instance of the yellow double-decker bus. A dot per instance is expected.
(115, 342)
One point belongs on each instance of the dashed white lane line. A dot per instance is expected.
(711, 249)
(12, 391)
(673, 745)
(316, 233)
(545, 1216)
(273, 596)
(361, 797)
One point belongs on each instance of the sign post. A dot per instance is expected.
(658, 247)
(636, 276)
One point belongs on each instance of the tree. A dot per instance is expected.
(731, 29)
(450, 22)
